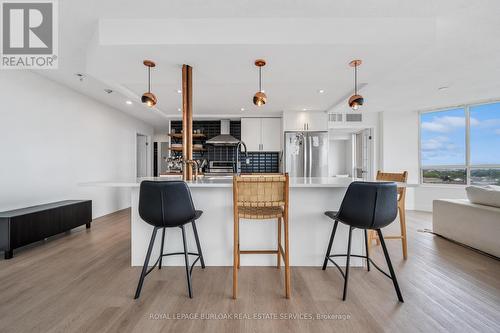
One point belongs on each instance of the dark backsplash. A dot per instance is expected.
(259, 161)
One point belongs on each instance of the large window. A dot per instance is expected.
(461, 145)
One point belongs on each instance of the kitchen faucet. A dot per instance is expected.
(238, 163)
(194, 165)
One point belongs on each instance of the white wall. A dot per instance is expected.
(400, 143)
(52, 138)
(399, 151)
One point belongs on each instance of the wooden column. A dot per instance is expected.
(187, 120)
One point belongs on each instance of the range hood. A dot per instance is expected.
(224, 138)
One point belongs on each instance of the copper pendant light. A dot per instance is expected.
(260, 97)
(149, 98)
(355, 101)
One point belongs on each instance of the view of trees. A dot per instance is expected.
(458, 176)
(437, 176)
(485, 176)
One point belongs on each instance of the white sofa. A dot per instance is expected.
(475, 225)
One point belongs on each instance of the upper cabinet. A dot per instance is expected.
(305, 121)
(271, 134)
(251, 133)
(261, 134)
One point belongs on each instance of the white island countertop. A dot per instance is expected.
(228, 182)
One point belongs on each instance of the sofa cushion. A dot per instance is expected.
(487, 195)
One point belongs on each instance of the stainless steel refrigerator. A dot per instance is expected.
(306, 154)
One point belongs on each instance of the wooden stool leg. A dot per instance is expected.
(287, 259)
(278, 255)
(239, 252)
(370, 238)
(377, 240)
(235, 256)
(402, 220)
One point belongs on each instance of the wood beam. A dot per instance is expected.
(187, 120)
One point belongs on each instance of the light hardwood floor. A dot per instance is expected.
(82, 281)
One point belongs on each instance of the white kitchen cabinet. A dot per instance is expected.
(305, 121)
(261, 134)
(251, 133)
(271, 134)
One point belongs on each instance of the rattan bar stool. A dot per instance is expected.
(261, 197)
(400, 178)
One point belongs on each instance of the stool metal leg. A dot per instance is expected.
(389, 264)
(186, 259)
(367, 251)
(161, 248)
(330, 244)
(146, 263)
(202, 261)
(347, 264)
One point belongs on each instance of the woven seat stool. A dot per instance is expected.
(261, 197)
(401, 178)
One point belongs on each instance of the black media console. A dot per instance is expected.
(32, 224)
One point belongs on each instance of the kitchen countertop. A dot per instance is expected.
(295, 182)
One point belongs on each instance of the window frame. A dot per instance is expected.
(467, 166)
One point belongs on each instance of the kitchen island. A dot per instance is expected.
(309, 228)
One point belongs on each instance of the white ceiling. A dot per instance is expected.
(409, 50)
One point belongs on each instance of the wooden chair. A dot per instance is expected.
(261, 197)
(400, 178)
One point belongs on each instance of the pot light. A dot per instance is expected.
(321, 91)
(149, 98)
(179, 91)
(128, 102)
(108, 91)
(80, 76)
(179, 109)
(242, 109)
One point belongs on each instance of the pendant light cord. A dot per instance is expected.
(355, 79)
(149, 79)
(260, 78)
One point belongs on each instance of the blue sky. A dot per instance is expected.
(443, 136)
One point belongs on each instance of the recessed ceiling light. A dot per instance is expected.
(80, 76)
(321, 91)
(108, 91)
(179, 109)
(304, 109)
(179, 91)
(128, 102)
(242, 109)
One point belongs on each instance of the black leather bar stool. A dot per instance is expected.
(164, 205)
(367, 206)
